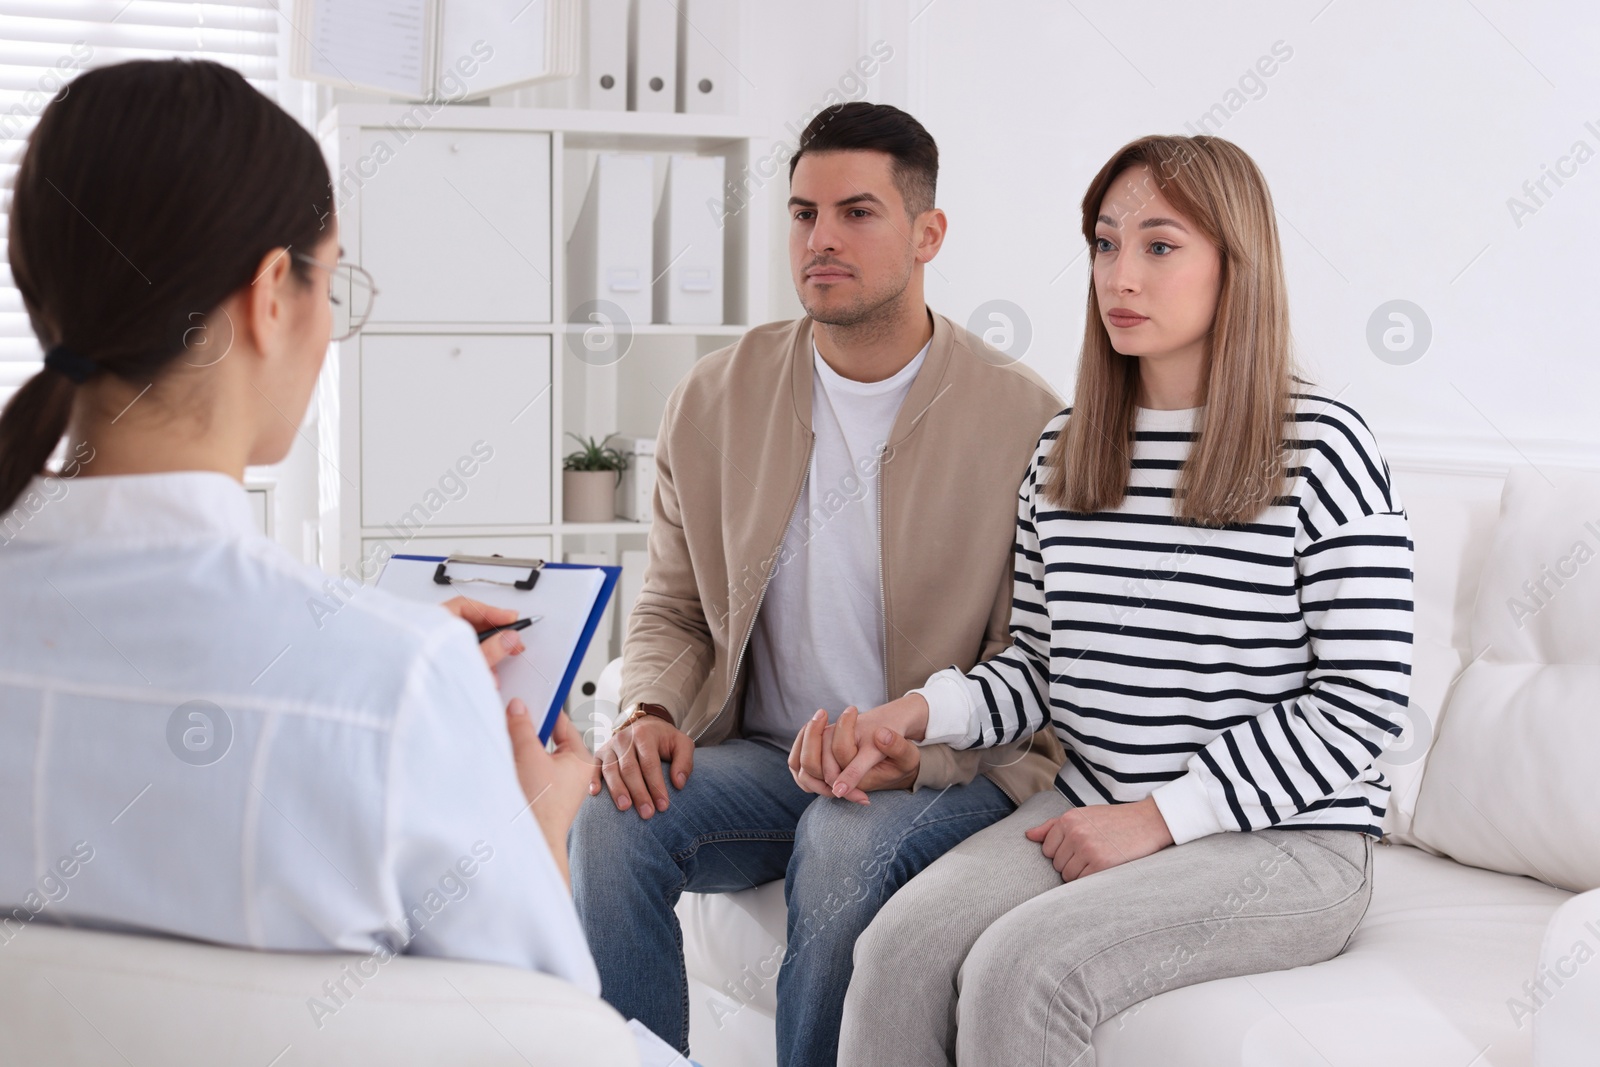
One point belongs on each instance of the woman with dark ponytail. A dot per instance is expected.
(227, 765)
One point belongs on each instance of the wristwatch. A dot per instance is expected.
(640, 710)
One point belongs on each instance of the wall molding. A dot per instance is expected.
(1482, 456)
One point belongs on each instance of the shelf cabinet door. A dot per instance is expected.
(455, 225)
(432, 407)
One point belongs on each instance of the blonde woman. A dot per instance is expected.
(1213, 613)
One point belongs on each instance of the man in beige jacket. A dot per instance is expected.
(834, 519)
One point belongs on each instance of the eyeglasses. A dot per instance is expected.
(351, 294)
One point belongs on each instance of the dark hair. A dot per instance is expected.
(862, 127)
(147, 194)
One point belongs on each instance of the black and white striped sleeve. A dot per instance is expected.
(1309, 752)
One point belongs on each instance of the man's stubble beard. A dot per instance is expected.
(867, 314)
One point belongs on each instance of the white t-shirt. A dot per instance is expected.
(818, 639)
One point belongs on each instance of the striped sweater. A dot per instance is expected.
(1246, 676)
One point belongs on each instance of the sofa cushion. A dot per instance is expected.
(1508, 784)
(1429, 978)
(1452, 520)
(734, 943)
(73, 997)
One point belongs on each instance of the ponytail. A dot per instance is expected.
(31, 426)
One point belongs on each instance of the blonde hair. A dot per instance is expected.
(1236, 467)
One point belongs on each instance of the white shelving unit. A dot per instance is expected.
(462, 214)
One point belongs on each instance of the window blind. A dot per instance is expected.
(46, 43)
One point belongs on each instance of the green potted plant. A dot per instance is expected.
(589, 481)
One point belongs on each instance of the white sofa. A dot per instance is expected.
(1435, 974)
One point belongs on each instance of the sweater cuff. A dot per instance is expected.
(1187, 809)
(950, 710)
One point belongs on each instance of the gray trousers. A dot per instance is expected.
(986, 957)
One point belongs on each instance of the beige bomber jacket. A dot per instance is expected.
(732, 456)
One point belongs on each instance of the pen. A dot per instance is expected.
(520, 624)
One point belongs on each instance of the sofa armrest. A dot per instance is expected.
(74, 997)
(1566, 1020)
(608, 687)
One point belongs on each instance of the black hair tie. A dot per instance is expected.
(75, 366)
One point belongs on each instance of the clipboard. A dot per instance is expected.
(570, 597)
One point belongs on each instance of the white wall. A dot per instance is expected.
(1392, 138)
(799, 56)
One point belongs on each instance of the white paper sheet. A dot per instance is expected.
(564, 597)
(654, 1052)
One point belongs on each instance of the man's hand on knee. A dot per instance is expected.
(631, 765)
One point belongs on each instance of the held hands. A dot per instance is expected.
(631, 762)
(1099, 836)
(861, 752)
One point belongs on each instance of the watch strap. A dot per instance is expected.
(642, 710)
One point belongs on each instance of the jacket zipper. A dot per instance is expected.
(883, 594)
(738, 663)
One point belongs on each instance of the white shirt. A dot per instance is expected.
(818, 638)
(366, 800)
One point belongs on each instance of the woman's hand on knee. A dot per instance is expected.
(1098, 837)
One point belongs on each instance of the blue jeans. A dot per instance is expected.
(738, 822)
